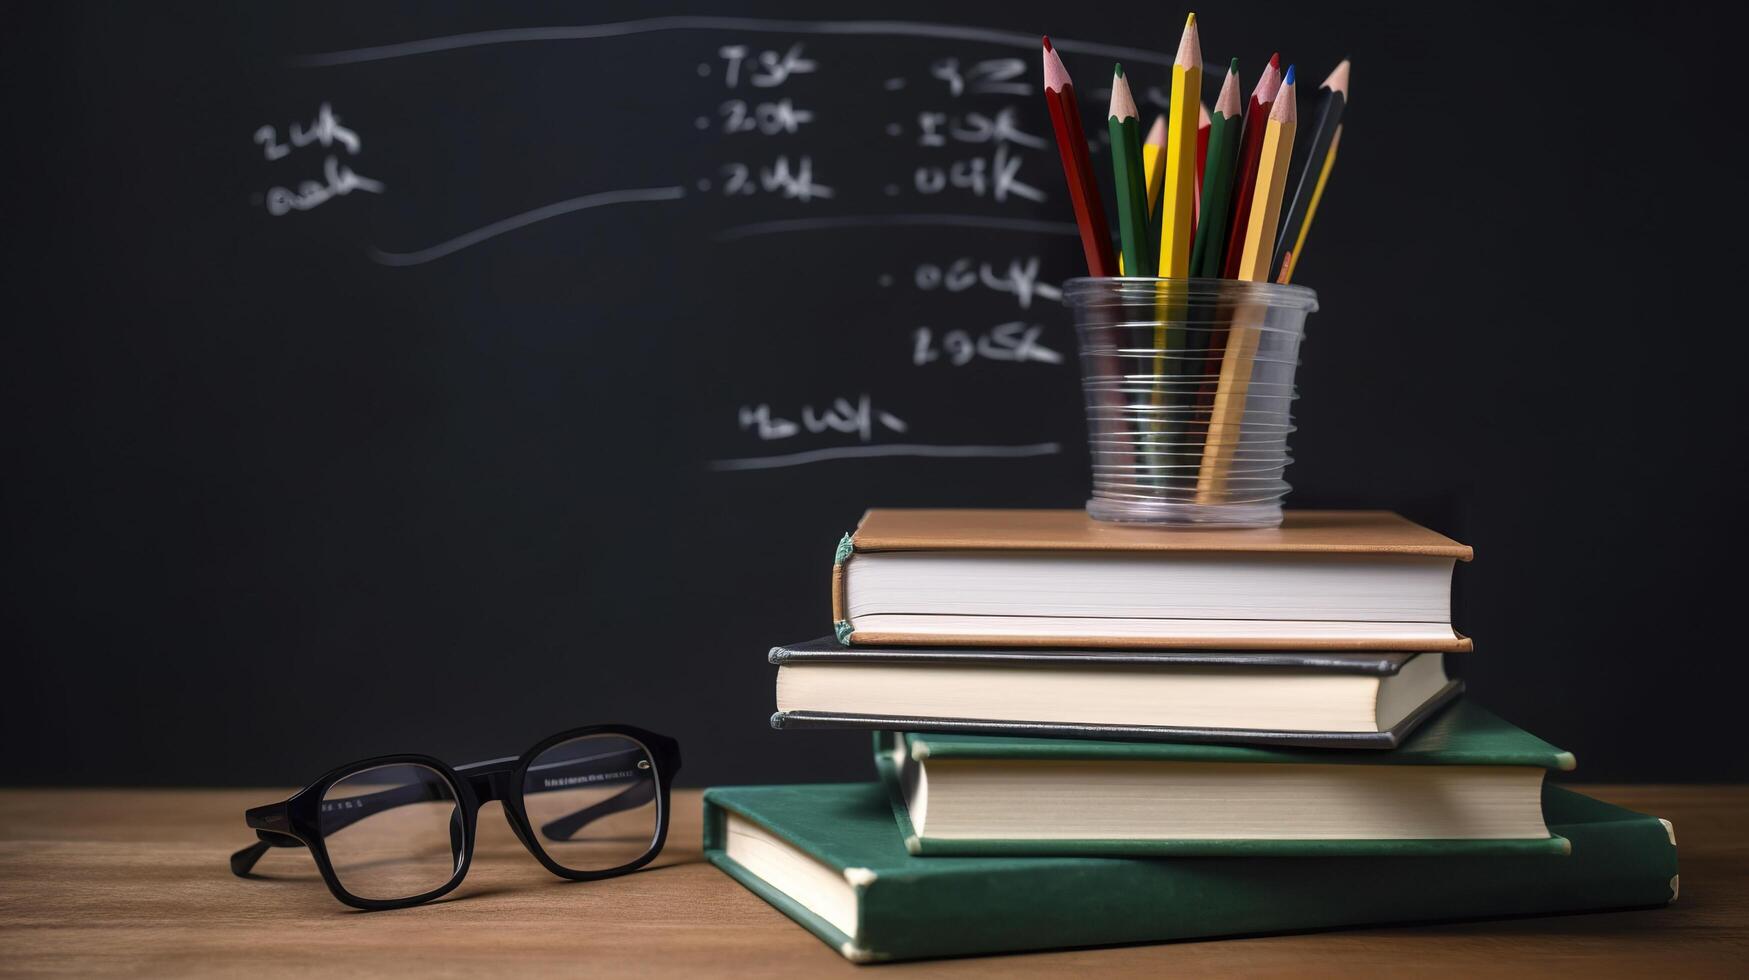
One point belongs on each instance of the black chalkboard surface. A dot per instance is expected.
(373, 367)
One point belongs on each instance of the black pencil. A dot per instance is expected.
(1327, 120)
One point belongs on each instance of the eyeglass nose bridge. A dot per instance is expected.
(494, 784)
(498, 784)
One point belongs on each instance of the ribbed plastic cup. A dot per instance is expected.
(1188, 384)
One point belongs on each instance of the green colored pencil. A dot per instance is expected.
(1226, 132)
(1132, 190)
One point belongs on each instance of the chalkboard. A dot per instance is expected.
(401, 377)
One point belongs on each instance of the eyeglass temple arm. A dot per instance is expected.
(243, 861)
(269, 821)
(343, 813)
(629, 798)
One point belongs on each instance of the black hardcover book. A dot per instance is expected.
(1313, 699)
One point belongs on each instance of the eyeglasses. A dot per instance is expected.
(398, 830)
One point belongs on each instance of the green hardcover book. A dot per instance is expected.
(1466, 783)
(828, 857)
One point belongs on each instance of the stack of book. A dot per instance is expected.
(1090, 733)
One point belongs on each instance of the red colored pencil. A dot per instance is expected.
(1078, 167)
(1202, 154)
(1250, 148)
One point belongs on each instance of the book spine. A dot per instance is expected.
(840, 615)
(714, 846)
(1617, 864)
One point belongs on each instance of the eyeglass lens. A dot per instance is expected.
(392, 831)
(593, 801)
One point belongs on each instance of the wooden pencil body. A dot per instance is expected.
(1227, 418)
(1132, 195)
(1244, 182)
(1154, 178)
(1290, 258)
(1226, 422)
(1259, 250)
(1179, 188)
(1083, 193)
(1211, 234)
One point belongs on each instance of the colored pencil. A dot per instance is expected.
(1226, 418)
(1291, 260)
(1126, 163)
(1225, 132)
(1272, 170)
(1317, 160)
(1180, 178)
(1245, 179)
(1077, 166)
(1154, 171)
(1203, 121)
(1226, 129)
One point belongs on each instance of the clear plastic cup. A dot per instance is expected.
(1188, 383)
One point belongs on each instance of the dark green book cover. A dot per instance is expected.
(909, 907)
(1463, 735)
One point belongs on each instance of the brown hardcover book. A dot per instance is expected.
(1324, 580)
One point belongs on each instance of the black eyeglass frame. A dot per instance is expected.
(295, 822)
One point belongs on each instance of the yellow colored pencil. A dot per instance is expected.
(1278, 150)
(1177, 224)
(1153, 171)
(1226, 420)
(1178, 190)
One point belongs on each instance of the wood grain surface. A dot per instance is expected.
(134, 882)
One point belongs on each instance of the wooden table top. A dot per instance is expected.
(96, 882)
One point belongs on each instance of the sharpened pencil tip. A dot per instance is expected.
(1117, 70)
(1274, 59)
(1189, 46)
(1284, 110)
(1047, 39)
(1338, 80)
(1227, 104)
(1123, 104)
(1157, 132)
(1056, 76)
(1268, 82)
(1288, 79)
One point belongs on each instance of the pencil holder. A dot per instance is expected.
(1188, 384)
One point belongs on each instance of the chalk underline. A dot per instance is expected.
(895, 449)
(523, 220)
(827, 223)
(648, 25)
(736, 233)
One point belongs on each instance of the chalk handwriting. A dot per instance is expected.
(765, 118)
(936, 128)
(780, 177)
(996, 76)
(339, 180)
(326, 130)
(768, 69)
(857, 418)
(996, 177)
(1014, 341)
(1020, 280)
